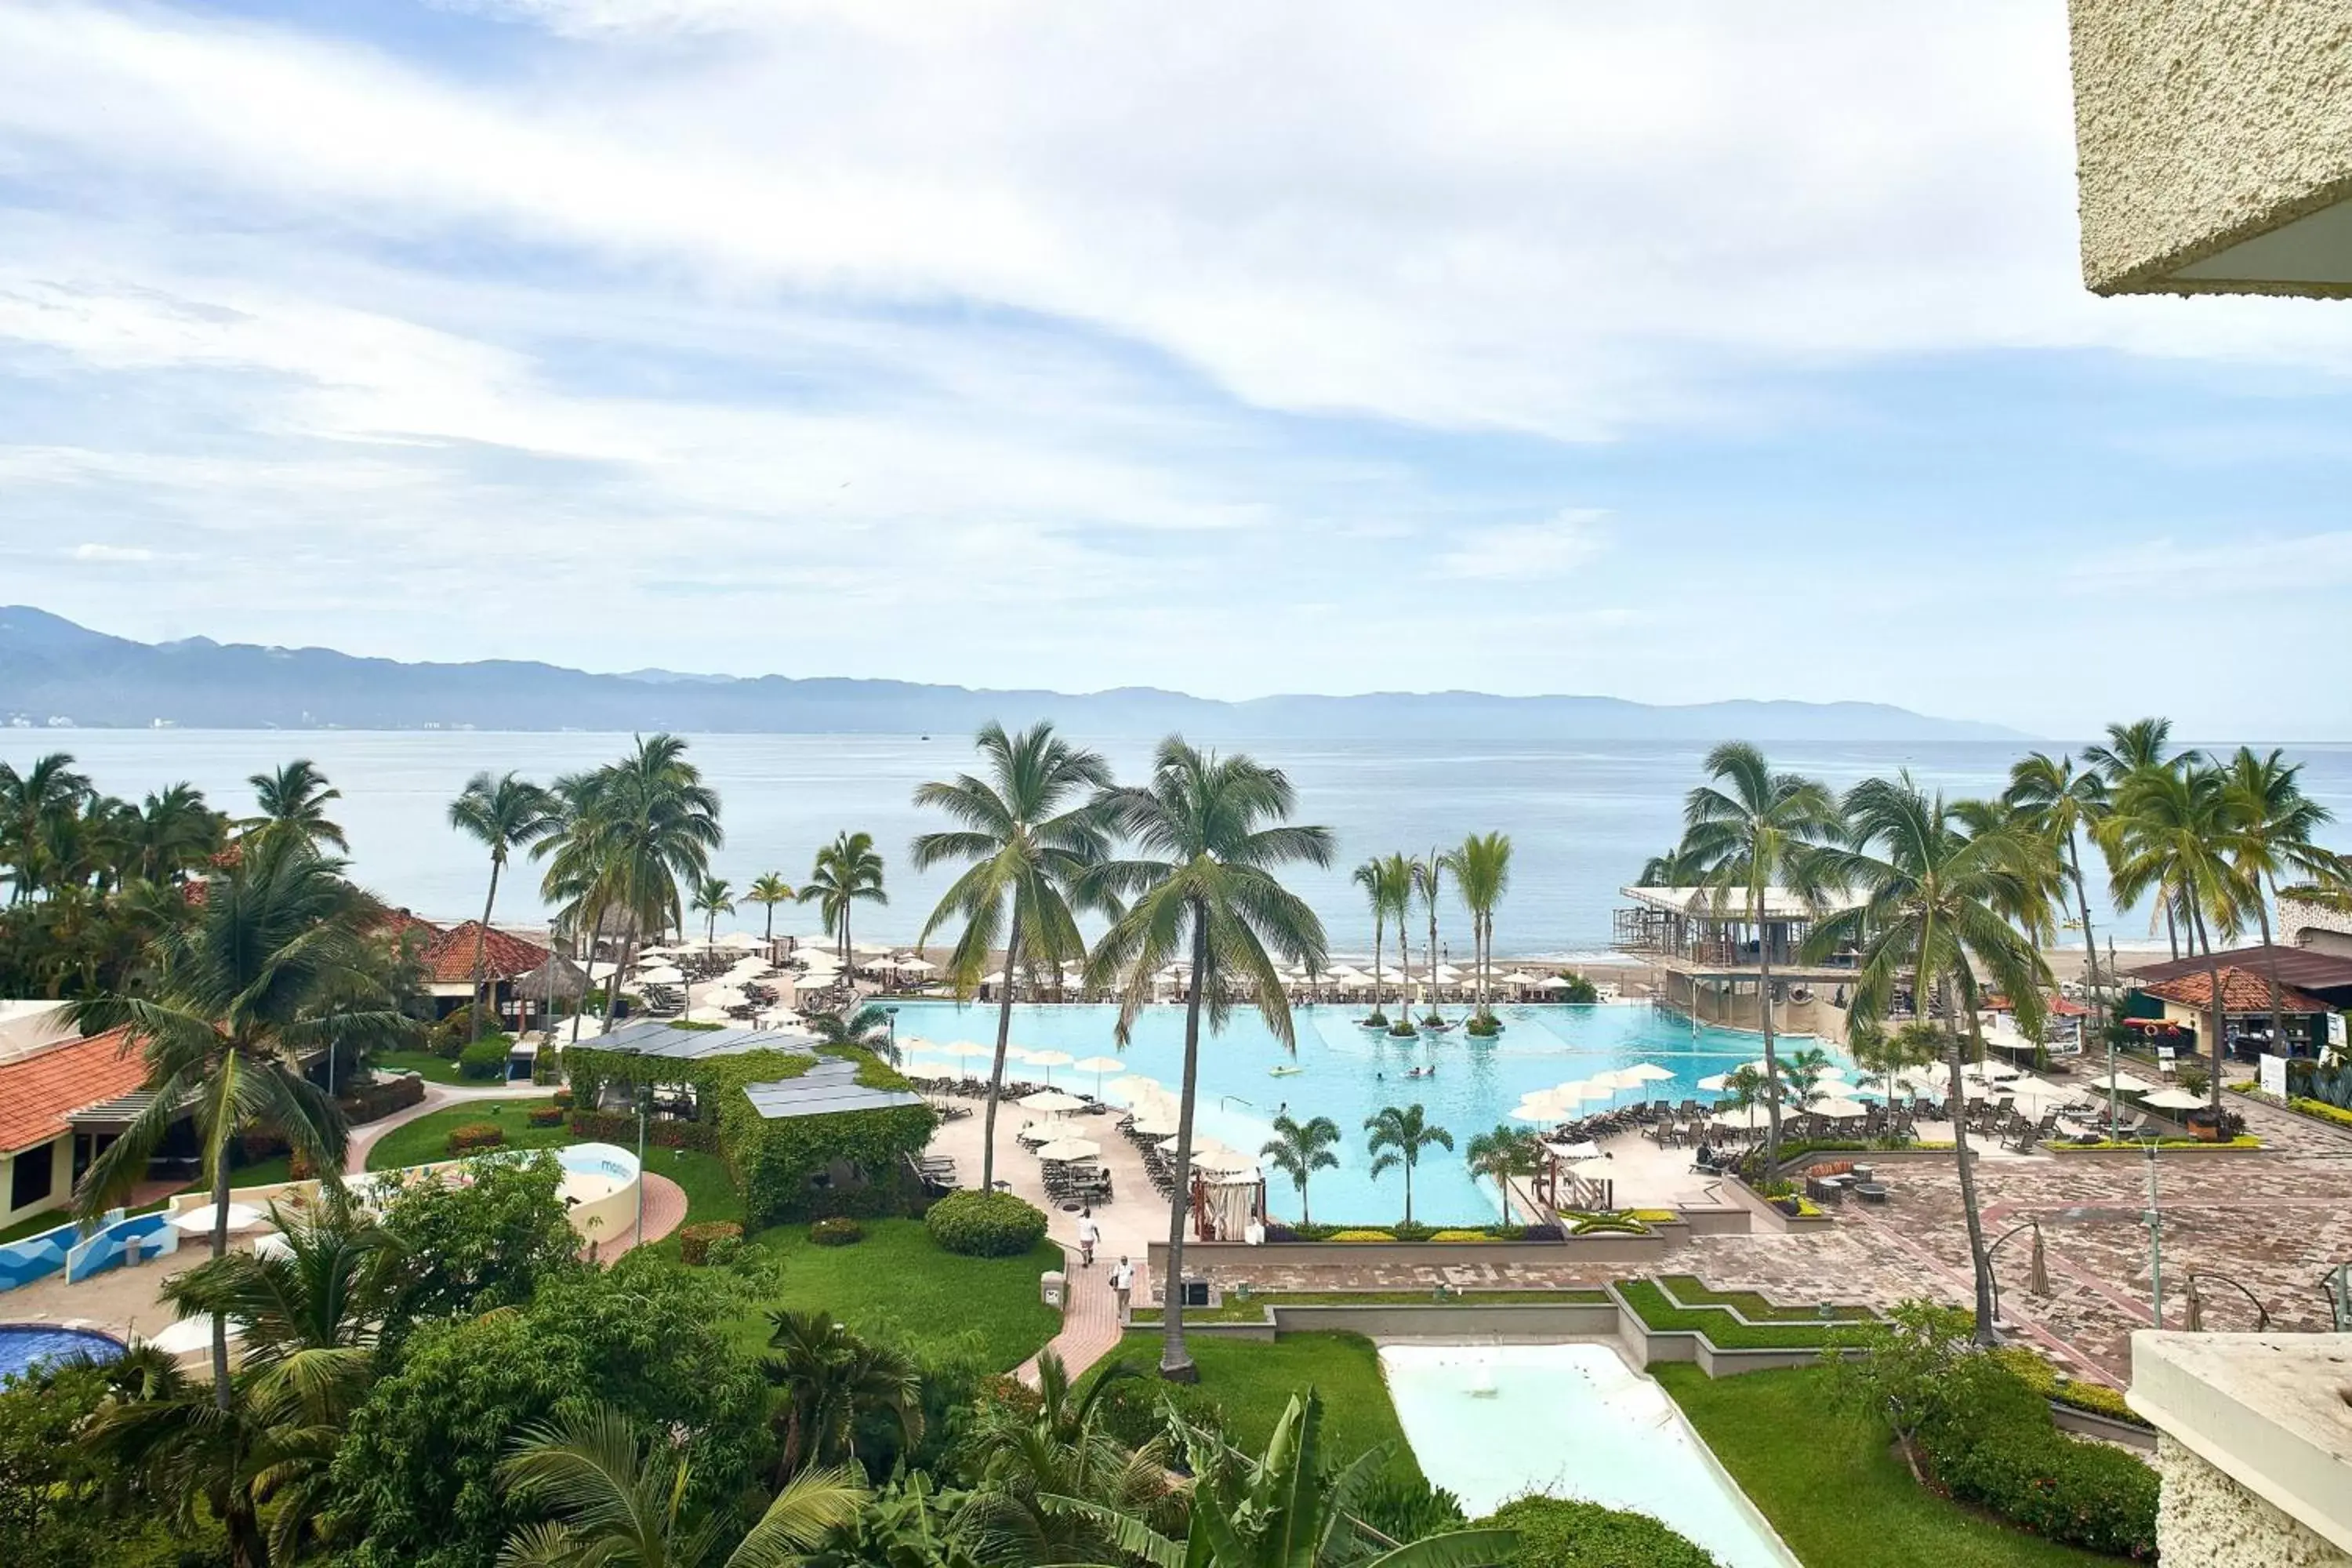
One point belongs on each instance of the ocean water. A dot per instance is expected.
(1581, 817)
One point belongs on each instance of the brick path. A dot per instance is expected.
(664, 1212)
(1090, 1328)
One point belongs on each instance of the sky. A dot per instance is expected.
(1675, 352)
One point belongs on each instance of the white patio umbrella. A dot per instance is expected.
(1018, 1054)
(2176, 1100)
(1584, 1149)
(1830, 1071)
(187, 1335)
(1840, 1109)
(1753, 1116)
(1575, 1091)
(1155, 1125)
(1099, 1066)
(1222, 1161)
(1714, 1083)
(1070, 1148)
(1052, 1100)
(741, 942)
(1543, 1112)
(2125, 1084)
(967, 1051)
(915, 967)
(659, 974)
(928, 1072)
(1645, 1072)
(1597, 1168)
(1049, 1059)
(1551, 983)
(1136, 1083)
(197, 1222)
(2034, 1095)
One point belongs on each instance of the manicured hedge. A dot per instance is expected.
(546, 1116)
(1561, 1532)
(475, 1135)
(985, 1225)
(612, 1127)
(2095, 1397)
(695, 1242)
(2002, 1453)
(484, 1059)
(839, 1230)
(374, 1101)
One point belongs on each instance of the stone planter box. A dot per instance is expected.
(2090, 1424)
(1605, 1253)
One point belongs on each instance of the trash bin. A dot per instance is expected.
(1053, 1286)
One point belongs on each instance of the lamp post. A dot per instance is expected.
(645, 1109)
(2155, 1241)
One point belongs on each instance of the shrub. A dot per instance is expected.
(1363, 1233)
(1561, 1532)
(696, 1241)
(2000, 1451)
(456, 1032)
(1406, 1507)
(484, 1059)
(838, 1231)
(722, 1250)
(373, 1102)
(544, 1116)
(1458, 1236)
(985, 1225)
(1412, 1231)
(1484, 1025)
(475, 1135)
(1135, 1409)
(2323, 1110)
(1544, 1232)
(1579, 988)
(666, 1132)
(2043, 1378)
(562, 1099)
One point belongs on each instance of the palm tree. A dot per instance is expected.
(1289, 1506)
(1300, 1149)
(1026, 1459)
(1211, 832)
(1482, 874)
(831, 1380)
(1750, 831)
(503, 814)
(847, 869)
(866, 1029)
(1933, 897)
(1397, 1138)
(713, 897)
(29, 801)
(1428, 878)
(768, 890)
(174, 833)
(620, 1500)
(294, 799)
(275, 967)
(1030, 838)
(1500, 1154)
(2140, 747)
(1372, 876)
(1396, 880)
(2172, 832)
(2271, 822)
(2064, 804)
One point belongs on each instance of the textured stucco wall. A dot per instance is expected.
(2206, 1519)
(2317, 928)
(2199, 123)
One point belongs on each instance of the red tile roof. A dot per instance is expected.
(449, 958)
(39, 1091)
(397, 923)
(2242, 992)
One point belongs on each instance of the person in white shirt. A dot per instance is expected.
(1122, 1286)
(1090, 1233)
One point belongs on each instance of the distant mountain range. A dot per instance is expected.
(54, 671)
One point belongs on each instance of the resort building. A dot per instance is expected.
(448, 961)
(53, 1085)
(1710, 952)
(2214, 146)
(2310, 986)
(2317, 927)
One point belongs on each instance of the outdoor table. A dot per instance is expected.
(1870, 1191)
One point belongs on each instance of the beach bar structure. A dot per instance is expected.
(1710, 949)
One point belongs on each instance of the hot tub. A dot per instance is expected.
(600, 1189)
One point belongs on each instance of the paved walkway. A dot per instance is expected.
(1090, 1326)
(664, 1212)
(437, 1097)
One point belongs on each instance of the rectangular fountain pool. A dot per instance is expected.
(1490, 1423)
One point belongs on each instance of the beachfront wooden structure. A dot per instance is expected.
(1710, 949)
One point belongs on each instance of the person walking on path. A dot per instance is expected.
(1122, 1286)
(1089, 1236)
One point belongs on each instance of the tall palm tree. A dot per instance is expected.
(2064, 804)
(1933, 896)
(713, 897)
(2143, 746)
(1030, 829)
(768, 890)
(1748, 831)
(294, 800)
(847, 870)
(2271, 823)
(621, 1501)
(29, 801)
(1373, 878)
(1482, 874)
(832, 1379)
(274, 967)
(1209, 833)
(1027, 1459)
(638, 829)
(1498, 1155)
(172, 833)
(503, 814)
(1397, 1136)
(1300, 1149)
(1428, 880)
(1396, 881)
(2172, 831)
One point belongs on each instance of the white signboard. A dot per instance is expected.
(2273, 1069)
(2335, 1030)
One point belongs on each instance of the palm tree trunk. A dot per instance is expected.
(1772, 1060)
(220, 1250)
(2082, 901)
(2270, 963)
(1175, 1363)
(481, 943)
(1981, 1265)
(612, 985)
(2171, 931)
(1408, 1187)
(2214, 1013)
(1003, 1040)
(1380, 951)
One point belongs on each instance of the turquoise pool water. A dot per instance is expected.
(24, 1346)
(1349, 1073)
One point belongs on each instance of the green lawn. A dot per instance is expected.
(423, 1064)
(263, 1173)
(1252, 1381)
(1234, 1310)
(1658, 1311)
(426, 1139)
(1691, 1291)
(1833, 1485)
(899, 1284)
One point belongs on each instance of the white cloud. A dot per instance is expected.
(112, 553)
(1520, 551)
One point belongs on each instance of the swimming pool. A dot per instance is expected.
(24, 1346)
(1582, 1424)
(1349, 1073)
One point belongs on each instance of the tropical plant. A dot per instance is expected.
(1024, 1457)
(1934, 897)
(713, 897)
(1210, 834)
(867, 1027)
(31, 801)
(848, 871)
(274, 968)
(2270, 834)
(1030, 829)
(1379, 892)
(2132, 751)
(830, 1380)
(769, 889)
(1397, 1136)
(170, 834)
(2064, 804)
(1300, 1149)
(1396, 880)
(294, 800)
(503, 814)
(1750, 832)
(1428, 880)
(621, 1500)
(1482, 874)
(1498, 1155)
